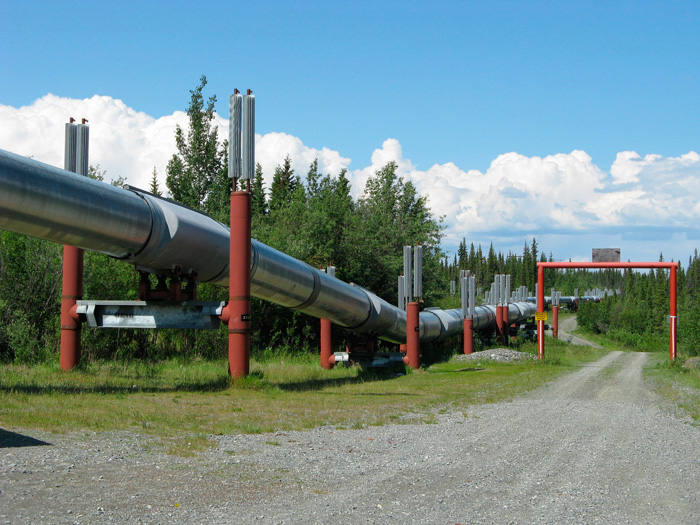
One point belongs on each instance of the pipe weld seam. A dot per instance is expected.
(72, 297)
(66, 327)
(314, 294)
(239, 298)
(239, 330)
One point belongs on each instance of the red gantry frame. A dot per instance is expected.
(672, 267)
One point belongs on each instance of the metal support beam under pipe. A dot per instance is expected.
(412, 358)
(158, 235)
(238, 308)
(327, 360)
(76, 160)
(468, 336)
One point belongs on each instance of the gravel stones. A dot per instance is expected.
(595, 446)
(500, 355)
(692, 363)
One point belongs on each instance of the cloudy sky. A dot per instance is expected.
(576, 124)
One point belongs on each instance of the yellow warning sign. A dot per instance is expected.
(541, 316)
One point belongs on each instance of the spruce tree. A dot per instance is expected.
(153, 187)
(198, 169)
(258, 204)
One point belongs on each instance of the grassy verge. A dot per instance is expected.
(679, 385)
(179, 400)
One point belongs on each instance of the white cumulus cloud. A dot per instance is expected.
(563, 196)
(129, 143)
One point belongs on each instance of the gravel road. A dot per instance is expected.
(568, 325)
(596, 446)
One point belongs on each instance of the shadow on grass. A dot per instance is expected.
(13, 439)
(217, 385)
(458, 370)
(365, 376)
(256, 380)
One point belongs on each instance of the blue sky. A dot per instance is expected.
(452, 83)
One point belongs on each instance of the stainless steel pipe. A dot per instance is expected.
(161, 236)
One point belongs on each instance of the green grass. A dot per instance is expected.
(679, 385)
(185, 402)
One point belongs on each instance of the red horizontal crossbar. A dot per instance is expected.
(607, 265)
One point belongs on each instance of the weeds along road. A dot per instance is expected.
(596, 446)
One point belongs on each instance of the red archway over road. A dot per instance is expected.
(672, 266)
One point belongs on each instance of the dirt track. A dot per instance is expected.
(592, 447)
(566, 327)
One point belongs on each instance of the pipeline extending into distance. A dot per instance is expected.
(161, 236)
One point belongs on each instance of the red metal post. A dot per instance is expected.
(327, 360)
(540, 310)
(412, 335)
(505, 324)
(499, 323)
(238, 308)
(72, 291)
(672, 312)
(555, 322)
(468, 336)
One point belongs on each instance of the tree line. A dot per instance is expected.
(311, 216)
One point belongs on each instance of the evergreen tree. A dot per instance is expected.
(197, 175)
(312, 179)
(388, 216)
(283, 185)
(462, 255)
(258, 204)
(153, 188)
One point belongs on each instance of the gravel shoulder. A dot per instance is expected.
(596, 446)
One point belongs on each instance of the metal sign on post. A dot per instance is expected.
(605, 255)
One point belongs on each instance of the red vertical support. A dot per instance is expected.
(555, 322)
(412, 335)
(238, 308)
(505, 324)
(326, 344)
(672, 313)
(72, 291)
(468, 336)
(540, 310)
